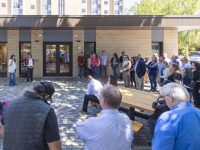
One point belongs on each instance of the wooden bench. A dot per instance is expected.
(136, 126)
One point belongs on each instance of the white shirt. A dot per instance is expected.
(94, 88)
(30, 62)
(11, 66)
(110, 131)
(104, 60)
(166, 73)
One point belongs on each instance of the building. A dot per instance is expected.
(61, 7)
(56, 41)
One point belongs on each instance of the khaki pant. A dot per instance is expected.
(126, 78)
(139, 82)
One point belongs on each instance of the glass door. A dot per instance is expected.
(25, 49)
(3, 59)
(90, 47)
(57, 59)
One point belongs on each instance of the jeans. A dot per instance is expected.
(88, 98)
(153, 82)
(12, 78)
(81, 72)
(95, 71)
(29, 74)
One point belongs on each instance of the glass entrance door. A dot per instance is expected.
(3, 59)
(57, 59)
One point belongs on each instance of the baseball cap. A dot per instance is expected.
(45, 87)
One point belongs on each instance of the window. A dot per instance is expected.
(83, 10)
(105, 2)
(3, 4)
(106, 12)
(32, 6)
(83, 1)
(16, 5)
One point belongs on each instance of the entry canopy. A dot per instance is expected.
(113, 22)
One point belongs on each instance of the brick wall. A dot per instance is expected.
(13, 46)
(133, 42)
(37, 52)
(170, 45)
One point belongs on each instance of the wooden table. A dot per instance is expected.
(137, 99)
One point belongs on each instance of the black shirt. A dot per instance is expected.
(51, 132)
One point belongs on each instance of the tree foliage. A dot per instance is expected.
(172, 7)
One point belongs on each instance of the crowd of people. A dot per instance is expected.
(29, 121)
(137, 70)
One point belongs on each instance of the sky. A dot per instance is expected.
(129, 3)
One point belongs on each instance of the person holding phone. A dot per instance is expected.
(12, 70)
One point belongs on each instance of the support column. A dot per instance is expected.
(78, 46)
(170, 42)
(37, 52)
(13, 46)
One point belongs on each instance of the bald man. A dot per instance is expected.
(110, 130)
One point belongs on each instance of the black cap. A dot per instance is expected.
(45, 87)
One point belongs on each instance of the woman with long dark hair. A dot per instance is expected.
(95, 63)
(196, 83)
(115, 64)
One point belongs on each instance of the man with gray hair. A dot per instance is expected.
(178, 128)
(111, 130)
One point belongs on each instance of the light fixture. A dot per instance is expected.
(75, 34)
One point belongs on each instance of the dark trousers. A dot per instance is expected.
(152, 124)
(132, 75)
(153, 82)
(103, 71)
(88, 98)
(29, 74)
(196, 96)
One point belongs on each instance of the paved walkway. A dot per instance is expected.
(67, 102)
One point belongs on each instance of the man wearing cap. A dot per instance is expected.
(30, 123)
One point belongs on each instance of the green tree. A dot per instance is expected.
(188, 39)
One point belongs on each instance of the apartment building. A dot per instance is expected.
(61, 7)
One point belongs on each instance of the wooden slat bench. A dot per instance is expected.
(136, 126)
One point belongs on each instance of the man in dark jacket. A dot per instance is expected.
(140, 70)
(30, 123)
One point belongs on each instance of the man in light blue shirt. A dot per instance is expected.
(111, 130)
(179, 128)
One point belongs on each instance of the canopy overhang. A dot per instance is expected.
(113, 22)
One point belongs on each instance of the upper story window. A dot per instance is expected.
(3, 4)
(105, 2)
(16, 5)
(83, 1)
(32, 6)
(83, 10)
(105, 12)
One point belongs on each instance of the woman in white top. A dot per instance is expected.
(165, 71)
(30, 64)
(12, 70)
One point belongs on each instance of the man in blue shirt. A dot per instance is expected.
(179, 128)
(111, 130)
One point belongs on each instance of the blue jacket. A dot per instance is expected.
(153, 68)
